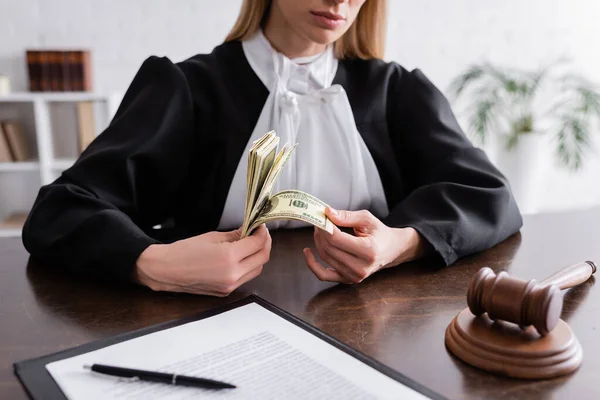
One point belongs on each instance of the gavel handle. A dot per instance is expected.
(571, 276)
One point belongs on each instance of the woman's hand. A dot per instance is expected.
(374, 246)
(214, 264)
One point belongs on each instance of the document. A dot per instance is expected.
(263, 354)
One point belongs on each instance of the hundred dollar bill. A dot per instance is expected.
(264, 195)
(260, 162)
(296, 205)
(265, 163)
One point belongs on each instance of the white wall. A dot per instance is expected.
(440, 37)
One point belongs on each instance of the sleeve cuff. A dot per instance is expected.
(108, 245)
(440, 246)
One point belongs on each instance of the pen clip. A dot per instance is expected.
(132, 379)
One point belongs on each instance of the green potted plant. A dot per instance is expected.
(529, 114)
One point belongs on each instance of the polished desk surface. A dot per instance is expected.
(398, 316)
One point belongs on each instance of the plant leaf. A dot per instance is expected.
(483, 117)
(512, 141)
(511, 80)
(460, 83)
(502, 95)
(573, 141)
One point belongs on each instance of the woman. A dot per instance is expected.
(376, 142)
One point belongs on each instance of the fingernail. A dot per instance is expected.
(333, 211)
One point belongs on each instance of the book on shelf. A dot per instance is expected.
(12, 138)
(85, 124)
(4, 85)
(5, 155)
(14, 221)
(59, 70)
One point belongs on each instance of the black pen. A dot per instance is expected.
(161, 377)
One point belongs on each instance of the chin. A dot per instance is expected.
(323, 36)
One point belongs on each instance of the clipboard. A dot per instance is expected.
(40, 385)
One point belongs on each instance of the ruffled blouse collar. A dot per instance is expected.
(300, 75)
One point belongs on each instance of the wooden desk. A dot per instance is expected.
(398, 316)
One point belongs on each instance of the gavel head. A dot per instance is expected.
(509, 299)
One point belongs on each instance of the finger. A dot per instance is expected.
(212, 237)
(191, 289)
(232, 236)
(223, 237)
(360, 220)
(252, 269)
(220, 290)
(342, 269)
(360, 247)
(255, 260)
(356, 268)
(197, 291)
(249, 276)
(251, 244)
(324, 274)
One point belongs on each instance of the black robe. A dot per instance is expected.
(172, 148)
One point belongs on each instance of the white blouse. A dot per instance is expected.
(331, 161)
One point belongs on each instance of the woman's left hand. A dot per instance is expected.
(374, 246)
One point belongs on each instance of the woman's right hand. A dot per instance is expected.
(214, 263)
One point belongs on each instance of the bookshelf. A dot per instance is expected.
(28, 97)
(19, 166)
(49, 130)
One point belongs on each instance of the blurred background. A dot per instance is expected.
(522, 76)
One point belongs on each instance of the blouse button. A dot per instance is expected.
(323, 100)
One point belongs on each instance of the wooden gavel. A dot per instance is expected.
(525, 302)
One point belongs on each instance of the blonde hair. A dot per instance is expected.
(364, 39)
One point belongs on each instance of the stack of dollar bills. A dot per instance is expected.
(265, 163)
